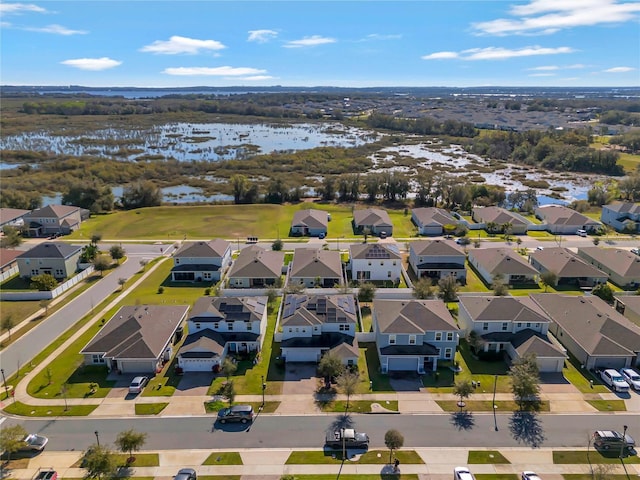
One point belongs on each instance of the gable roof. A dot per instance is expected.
(618, 260)
(256, 262)
(498, 215)
(372, 216)
(52, 250)
(436, 248)
(502, 261)
(565, 263)
(10, 214)
(54, 211)
(204, 343)
(311, 218)
(624, 207)
(433, 216)
(631, 305)
(412, 316)
(211, 249)
(8, 255)
(561, 215)
(591, 323)
(529, 341)
(503, 309)
(374, 251)
(313, 262)
(303, 310)
(228, 309)
(139, 331)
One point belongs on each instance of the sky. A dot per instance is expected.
(366, 43)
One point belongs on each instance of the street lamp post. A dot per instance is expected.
(624, 442)
(97, 437)
(495, 407)
(4, 380)
(264, 387)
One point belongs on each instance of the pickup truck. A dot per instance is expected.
(348, 438)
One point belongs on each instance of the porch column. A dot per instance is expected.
(435, 364)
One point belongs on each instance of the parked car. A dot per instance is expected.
(34, 443)
(631, 377)
(635, 251)
(462, 473)
(137, 384)
(463, 241)
(607, 439)
(186, 474)
(614, 380)
(582, 233)
(528, 475)
(45, 474)
(237, 413)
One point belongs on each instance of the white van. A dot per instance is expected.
(582, 233)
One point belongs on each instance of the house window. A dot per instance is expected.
(449, 336)
(290, 330)
(394, 263)
(177, 261)
(485, 326)
(528, 324)
(343, 328)
(249, 326)
(389, 273)
(448, 352)
(350, 362)
(392, 339)
(519, 324)
(95, 358)
(197, 326)
(230, 326)
(505, 326)
(59, 273)
(207, 275)
(537, 325)
(412, 339)
(438, 336)
(381, 264)
(216, 325)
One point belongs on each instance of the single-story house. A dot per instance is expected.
(55, 258)
(562, 220)
(501, 217)
(137, 339)
(622, 266)
(55, 219)
(256, 267)
(313, 325)
(374, 219)
(218, 326)
(504, 263)
(12, 217)
(201, 261)
(570, 268)
(431, 220)
(593, 332)
(629, 306)
(375, 261)
(9, 259)
(436, 259)
(310, 222)
(313, 267)
(622, 216)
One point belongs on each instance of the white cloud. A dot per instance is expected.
(311, 41)
(550, 16)
(381, 36)
(176, 45)
(57, 29)
(619, 70)
(18, 8)
(545, 68)
(257, 78)
(542, 75)
(94, 64)
(576, 66)
(497, 53)
(261, 36)
(5, 24)
(213, 71)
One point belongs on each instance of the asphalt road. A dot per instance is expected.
(275, 431)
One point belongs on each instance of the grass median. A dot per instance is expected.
(333, 457)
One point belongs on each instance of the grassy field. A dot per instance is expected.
(486, 457)
(223, 458)
(24, 410)
(608, 405)
(150, 408)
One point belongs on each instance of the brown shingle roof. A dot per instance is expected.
(374, 251)
(436, 248)
(311, 218)
(372, 216)
(8, 255)
(512, 309)
(211, 249)
(617, 260)
(312, 262)
(560, 215)
(54, 211)
(256, 262)
(433, 216)
(10, 214)
(498, 215)
(412, 316)
(502, 261)
(565, 263)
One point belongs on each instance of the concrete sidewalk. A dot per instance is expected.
(271, 464)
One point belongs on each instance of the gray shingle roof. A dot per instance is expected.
(436, 248)
(313, 262)
(502, 261)
(311, 218)
(412, 316)
(498, 215)
(433, 216)
(565, 263)
(54, 211)
(211, 249)
(374, 251)
(256, 262)
(302, 310)
(219, 309)
(617, 260)
(512, 309)
(371, 216)
(528, 341)
(52, 250)
(560, 215)
(624, 207)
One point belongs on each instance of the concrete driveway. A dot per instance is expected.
(300, 378)
(194, 384)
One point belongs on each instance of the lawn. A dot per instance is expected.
(381, 476)
(583, 456)
(608, 405)
(358, 406)
(474, 282)
(581, 378)
(150, 408)
(486, 456)
(629, 162)
(24, 410)
(496, 476)
(484, 372)
(224, 458)
(486, 406)
(373, 457)
(379, 382)
(141, 459)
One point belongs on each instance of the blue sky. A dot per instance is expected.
(327, 43)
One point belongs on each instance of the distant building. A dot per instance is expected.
(622, 216)
(431, 220)
(565, 221)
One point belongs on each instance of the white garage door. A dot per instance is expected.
(615, 363)
(142, 366)
(300, 354)
(403, 364)
(197, 364)
(547, 365)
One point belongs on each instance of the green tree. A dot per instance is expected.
(122, 282)
(130, 441)
(229, 368)
(330, 365)
(462, 389)
(100, 463)
(423, 289)
(603, 291)
(44, 303)
(117, 253)
(366, 292)
(95, 238)
(91, 194)
(140, 195)
(347, 383)
(8, 323)
(499, 287)
(228, 390)
(11, 439)
(239, 185)
(11, 237)
(448, 288)
(492, 227)
(548, 279)
(394, 440)
(45, 282)
(276, 246)
(102, 263)
(89, 253)
(525, 380)
(475, 341)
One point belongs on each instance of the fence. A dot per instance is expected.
(47, 295)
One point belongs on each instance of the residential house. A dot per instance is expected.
(375, 220)
(314, 267)
(622, 216)
(594, 333)
(219, 326)
(315, 324)
(515, 325)
(54, 219)
(256, 267)
(571, 269)
(501, 217)
(562, 220)
(504, 263)
(629, 306)
(55, 258)
(413, 335)
(431, 220)
(436, 259)
(9, 259)
(12, 217)
(375, 261)
(201, 261)
(137, 339)
(310, 222)
(622, 266)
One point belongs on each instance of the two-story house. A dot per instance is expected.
(55, 219)
(312, 267)
(515, 325)
(256, 267)
(218, 326)
(12, 217)
(622, 216)
(55, 258)
(375, 261)
(413, 335)
(315, 324)
(201, 261)
(436, 259)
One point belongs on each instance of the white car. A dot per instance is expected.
(137, 384)
(527, 475)
(462, 473)
(635, 251)
(615, 381)
(631, 377)
(34, 443)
